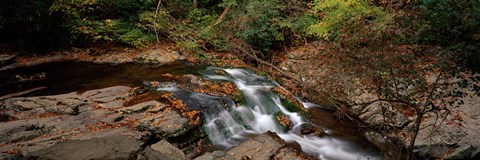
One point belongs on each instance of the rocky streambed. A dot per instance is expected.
(129, 111)
(96, 125)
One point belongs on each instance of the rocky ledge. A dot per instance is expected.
(112, 123)
(154, 56)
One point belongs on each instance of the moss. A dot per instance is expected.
(282, 121)
(291, 106)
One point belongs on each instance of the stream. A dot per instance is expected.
(226, 123)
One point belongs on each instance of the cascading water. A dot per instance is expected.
(228, 125)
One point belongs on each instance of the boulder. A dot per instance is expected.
(164, 151)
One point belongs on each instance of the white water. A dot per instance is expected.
(228, 125)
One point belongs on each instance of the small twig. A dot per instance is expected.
(155, 22)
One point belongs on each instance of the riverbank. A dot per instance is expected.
(449, 132)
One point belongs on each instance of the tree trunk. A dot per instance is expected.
(155, 22)
(194, 4)
(415, 133)
(222, 16)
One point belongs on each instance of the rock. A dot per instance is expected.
(22, 133)
(6, 59)
(309, 129)
(373, 114)
(111, 97)
(164, 151)
(168, 123)
(466, 152)
(190, 78)
(456, 138)
(297, 55)
(261, 147)
(142, 107)
(40, 133)
(62, 104)
(71, 103)
(37, 125)
(157, 56)
(216, 155)
(111, 147)
(287, 153)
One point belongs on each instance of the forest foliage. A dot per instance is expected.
(260, 25)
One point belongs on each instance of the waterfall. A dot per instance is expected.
(228, 125)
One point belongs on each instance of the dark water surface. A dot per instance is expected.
(65, 77)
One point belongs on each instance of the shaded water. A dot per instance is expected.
(65, 77)
(226, 123)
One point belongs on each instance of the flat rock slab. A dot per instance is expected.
(168, 123)
(111, 97)
(71, 103)
(62, 104)
(111, 147)
(154, 105)
(261, 147)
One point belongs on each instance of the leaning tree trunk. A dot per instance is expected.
(415, 133)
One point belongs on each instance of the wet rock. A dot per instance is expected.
(168, 123)
(308, 129)
(164, 151)
(111, 147)
(190, 78)
(261, 147)
(216, 155)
